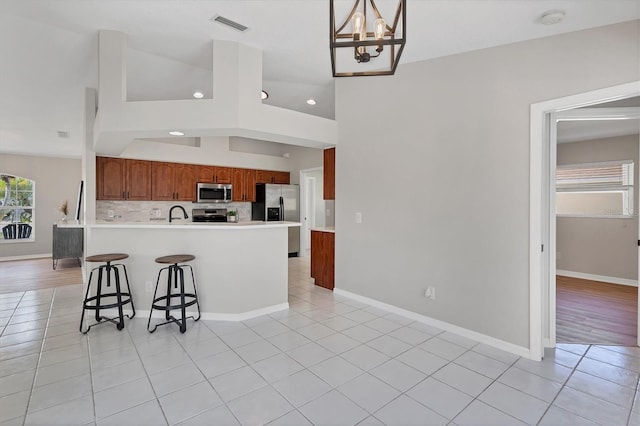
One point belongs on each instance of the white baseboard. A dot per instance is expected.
(593, 277)
(209, 316)
(479, 337)
(25, 257)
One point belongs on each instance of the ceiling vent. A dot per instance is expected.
(62, 134)
(229, 23)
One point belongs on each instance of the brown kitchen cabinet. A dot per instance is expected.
(244, 185)
(322, 258)
(329, 185)
(173, 182)
(122, 179)
(214, 174)
(270, 176)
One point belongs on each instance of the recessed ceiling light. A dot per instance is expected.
(176, 133)
(198, 95)
(551, 17)
(311, 101)
(264, 95)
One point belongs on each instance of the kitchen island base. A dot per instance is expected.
(241, 271)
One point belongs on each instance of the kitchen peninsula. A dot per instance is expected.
(240, 268)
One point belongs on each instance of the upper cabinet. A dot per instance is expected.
(122, 179)
(214, 174)
(244, 185)
(329, 174)
(141, 180)
(185, 182)
(270, 176)
(173, 181)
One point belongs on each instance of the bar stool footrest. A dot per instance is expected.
(112, 305)
(164, 307)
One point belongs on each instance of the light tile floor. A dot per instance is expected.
(327, 360)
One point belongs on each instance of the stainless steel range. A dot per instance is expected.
(209, 215)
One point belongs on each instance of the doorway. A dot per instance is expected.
(542, 226)
(312, 206)
(596, 225)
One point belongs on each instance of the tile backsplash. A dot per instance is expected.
(144, 211)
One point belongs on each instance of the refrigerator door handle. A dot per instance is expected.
(281, 208)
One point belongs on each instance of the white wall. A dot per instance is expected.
(152, 77)
(56, 180)
(450, 153)
(599, 246)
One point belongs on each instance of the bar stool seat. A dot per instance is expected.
(168, 302)
(97, 302)
(109, 257)
(175, 258)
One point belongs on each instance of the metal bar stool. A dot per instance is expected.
(175, 275)
(122, 298)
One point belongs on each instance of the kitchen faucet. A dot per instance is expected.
(186, 216)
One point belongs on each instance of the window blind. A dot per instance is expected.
(610, 176)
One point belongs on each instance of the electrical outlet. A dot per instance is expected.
(430, 293)
(358, 217)
(111, 213)
(148, 286)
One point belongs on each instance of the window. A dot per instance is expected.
(595, 189)
(16, 207)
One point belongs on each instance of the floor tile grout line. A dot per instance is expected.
(635, 395)
(564, 384)
(148, 380)
(12, 315)
(35, 376)
(206, 379)
(474, 398)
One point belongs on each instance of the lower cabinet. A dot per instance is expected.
(322, 258)
(67, 242)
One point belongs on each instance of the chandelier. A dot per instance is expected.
(365, 45)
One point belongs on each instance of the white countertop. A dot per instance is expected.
(331, 229)
(177, 224)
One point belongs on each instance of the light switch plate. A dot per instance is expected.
(358, 217)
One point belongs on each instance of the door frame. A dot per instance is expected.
(303, 204)
(542, 256)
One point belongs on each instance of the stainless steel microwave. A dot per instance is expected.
(214, 193)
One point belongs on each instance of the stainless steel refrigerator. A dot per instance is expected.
(276, 203)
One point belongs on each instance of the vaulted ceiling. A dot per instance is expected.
(49, 50)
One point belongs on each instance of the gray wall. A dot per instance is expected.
(56, 180)
(599, 246)
(448, 148)
(304, 158)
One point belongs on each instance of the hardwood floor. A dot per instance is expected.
(595, 312)
(33, 274)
